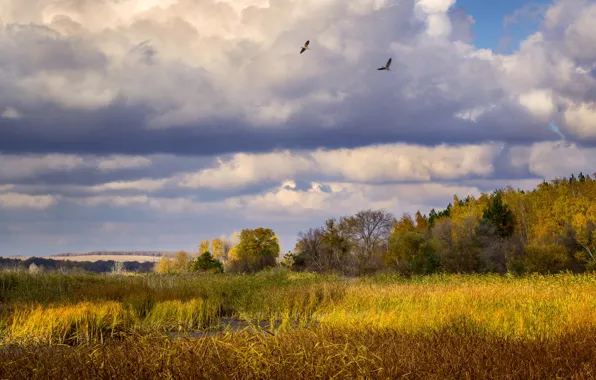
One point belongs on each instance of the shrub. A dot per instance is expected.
(549, 258)
(206, 263)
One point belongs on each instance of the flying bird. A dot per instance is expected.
(305, 47)
(386, 66)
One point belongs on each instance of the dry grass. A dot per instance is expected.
(322, 353)
(320, 326)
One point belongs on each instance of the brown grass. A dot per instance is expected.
(457, 352)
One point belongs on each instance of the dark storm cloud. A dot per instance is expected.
(119, 130)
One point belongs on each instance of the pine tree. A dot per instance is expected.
(498, 214)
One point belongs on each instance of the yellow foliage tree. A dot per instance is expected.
(422, 224)
(218, 246)
(180, 263)
(204, 247)
(404, 224)
(163, 266)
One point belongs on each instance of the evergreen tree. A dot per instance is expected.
(498, 214)
(206, 262)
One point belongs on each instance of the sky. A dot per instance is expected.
(501, 25)
(152, 125)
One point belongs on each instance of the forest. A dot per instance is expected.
(547, 230)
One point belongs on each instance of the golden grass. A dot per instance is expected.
(443, 326)
(321, 353)
(80, 323)
(75, 309)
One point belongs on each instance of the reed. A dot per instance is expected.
(330, 353)
(78, 308)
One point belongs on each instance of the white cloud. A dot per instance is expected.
(25, 201)
(390, 162)
(243, 169)
(287, 202)
(147, 184)
(402, 162)
(336, 198)
(555, 159)
(581, 120)
(539, 102)
(13, 166)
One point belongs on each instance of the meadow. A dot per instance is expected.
(281, 324)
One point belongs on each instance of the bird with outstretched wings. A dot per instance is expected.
(305, 47)
(386, 67)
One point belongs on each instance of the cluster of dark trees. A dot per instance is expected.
(549, 229)
(102, 266)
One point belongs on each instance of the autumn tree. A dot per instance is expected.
(204, 247)
(219, 248)
(507, 230)
(222, 246)
(164, 265)
(457, 246)
(544, 259)
(258, 249)
(179, 264)
(411, 251)
(422, 223)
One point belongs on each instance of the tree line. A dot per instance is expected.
(549, 229)
(42, 264)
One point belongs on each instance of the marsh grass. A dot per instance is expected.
(175, 315)
(330, 353)
(88, 308)
(70, 324)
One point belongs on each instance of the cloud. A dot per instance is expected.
(95, 69)
(288, 202)
(389, 162)
(195, 118)
(13, 166)
(11, 113)
(122, 162)
(25, 201)
(552, 160)
(148, 185)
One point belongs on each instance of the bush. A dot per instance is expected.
(410, 253)
(206, 263)
(544, 259)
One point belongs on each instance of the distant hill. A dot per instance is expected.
(118, 253)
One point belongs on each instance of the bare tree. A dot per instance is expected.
(118, 267)
(325, 249)
(370, 231)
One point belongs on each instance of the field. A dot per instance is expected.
(139, 258)
(280, 324)
(99, 257)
